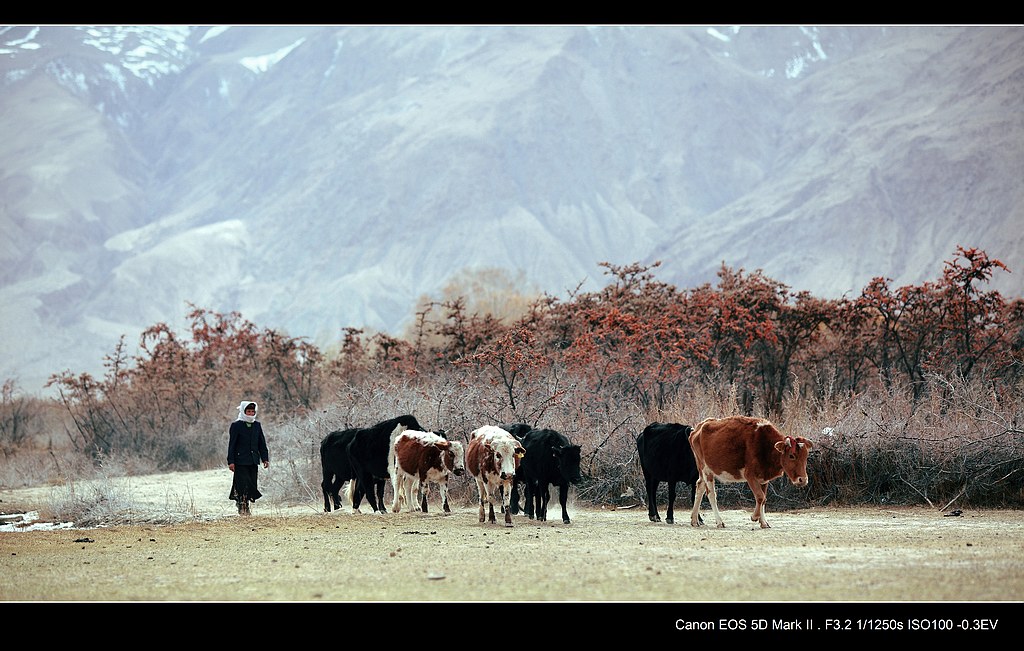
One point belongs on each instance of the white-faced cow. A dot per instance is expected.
(741, 448)
(665, 456)
(550, 459)
(368, 453)
(491, 458)
(419, 457)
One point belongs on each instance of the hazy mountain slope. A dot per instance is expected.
(893, 158)
(320, 177)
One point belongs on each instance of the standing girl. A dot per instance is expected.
(247, 447)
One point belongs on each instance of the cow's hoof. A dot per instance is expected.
(670, 520)
(721, 525)
(565, 521)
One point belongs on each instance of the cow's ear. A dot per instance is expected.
(780, 446)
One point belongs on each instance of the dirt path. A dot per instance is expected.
(298, 553)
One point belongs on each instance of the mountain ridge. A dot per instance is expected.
(318, 177)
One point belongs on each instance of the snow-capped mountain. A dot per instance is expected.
(317, 177)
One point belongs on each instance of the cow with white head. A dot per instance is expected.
(492, 458)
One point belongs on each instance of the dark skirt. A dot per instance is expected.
(243, 486)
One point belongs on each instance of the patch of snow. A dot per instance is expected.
(794, 68)
(26, 41)
(263, 63)
(717, 34)
(69, 79)
(214, 32)
(115, 75)
(30, 522)
(15, 75)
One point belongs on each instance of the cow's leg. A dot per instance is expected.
(380, 495)
(669, 513)
(421, 492)
(367, 487)
(407, 493)
(540, 498)
(563, 497)
(701, 488)
(336, 486)
(327, 485)
(482, 492)
(492, 492)
(442, 488)
(368, 480)
(759, 499)
(530, 495)
(709, 483)
(398, 490)
(354, 494)
(652, 499)
(506, 495)
(693, 498)
(514, 500)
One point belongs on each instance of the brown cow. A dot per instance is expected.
(492, 458)
(740, 448)
(418, 457)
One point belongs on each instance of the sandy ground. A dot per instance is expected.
(295, 552)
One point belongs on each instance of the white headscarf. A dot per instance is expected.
(241, 411)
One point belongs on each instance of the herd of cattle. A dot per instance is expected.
(501, 459)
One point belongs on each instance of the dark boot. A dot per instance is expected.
(239, 503)
(245, 507)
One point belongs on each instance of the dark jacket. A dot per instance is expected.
(246, 444)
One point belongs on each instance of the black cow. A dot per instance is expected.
(665, 455)
(518, 430)
(550, 459)
(337, 470)
(368, 458)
